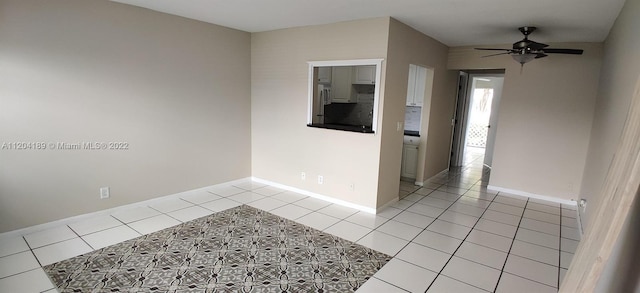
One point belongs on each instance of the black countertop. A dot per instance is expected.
(352, 128)
(412, 133)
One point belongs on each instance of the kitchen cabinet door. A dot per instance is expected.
(421, 84)
(409, 161)
(416, 85)
(365, 74)
(411, 85)
(324, 75)
(341, 86)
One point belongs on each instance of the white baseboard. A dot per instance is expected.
(69, 220)
(73, 219)
(386, 205)
(318, 196)
(533, 195)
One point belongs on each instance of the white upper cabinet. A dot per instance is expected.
(324, 75)
(341, 85)
(416, 85)
(421, 82)
(364, 74)
(411, 85)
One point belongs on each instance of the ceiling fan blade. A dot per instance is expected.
(492, 49)
(563, 51)
(526, 43)
(505, 53)
(526, 50)
(537, 46)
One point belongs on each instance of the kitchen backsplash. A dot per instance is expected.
(412, 118)
(359, 113)
(348, 114)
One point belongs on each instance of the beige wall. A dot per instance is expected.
(408, 46)
(620, 70)
(619, 75)
(544, 118)
(282, 145)
(177, 90)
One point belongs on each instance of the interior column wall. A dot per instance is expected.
(282, 144)
(408, 46)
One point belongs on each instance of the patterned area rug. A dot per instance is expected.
(243, 249)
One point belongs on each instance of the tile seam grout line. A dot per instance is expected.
(460, 245)
(560, 248)
(511, 247)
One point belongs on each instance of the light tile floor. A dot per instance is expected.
(452, 235)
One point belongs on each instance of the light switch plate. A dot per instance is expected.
(104, 192)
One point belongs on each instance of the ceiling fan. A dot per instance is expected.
(526, 50)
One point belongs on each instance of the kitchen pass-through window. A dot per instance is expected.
(343, 95)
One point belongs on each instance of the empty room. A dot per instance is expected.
(337, 146)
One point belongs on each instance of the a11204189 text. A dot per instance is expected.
(58, 145)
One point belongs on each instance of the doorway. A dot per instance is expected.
(416, 126)
(475, 124)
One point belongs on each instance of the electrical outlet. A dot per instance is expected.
(320, 179)
(352, 186)
(104, 192)
(399, 126)
(303, 176)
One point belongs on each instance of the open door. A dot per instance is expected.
(475, 124)
(493, 120)
(458, 133)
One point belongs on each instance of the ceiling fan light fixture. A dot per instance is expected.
(523, 58)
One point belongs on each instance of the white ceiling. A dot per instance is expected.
(452, 22)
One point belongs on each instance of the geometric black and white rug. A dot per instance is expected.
(242, 249)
